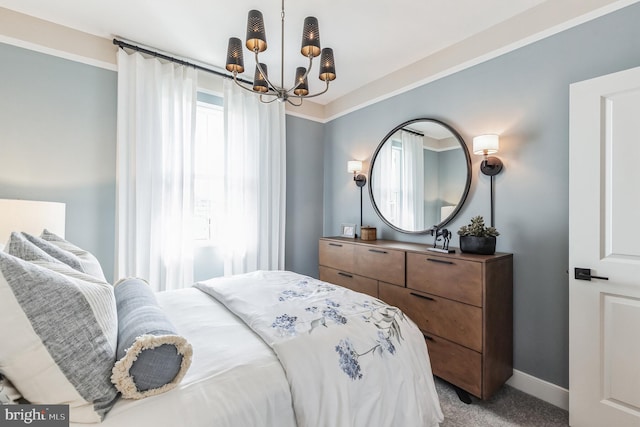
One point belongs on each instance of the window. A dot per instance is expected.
(209, 170)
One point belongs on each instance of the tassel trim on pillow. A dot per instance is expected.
(124, 382)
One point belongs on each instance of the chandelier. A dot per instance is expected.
(256, 42)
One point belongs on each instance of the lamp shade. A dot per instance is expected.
(327, 65)
(354, 166)
(235, 61)
(310, 37)
(256, 35)
(486, 144)
(31, 217)
(259, 81)
(302, 84)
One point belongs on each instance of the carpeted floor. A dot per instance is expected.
(507, 408)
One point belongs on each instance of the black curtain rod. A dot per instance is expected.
(413, 132)
(123, 44)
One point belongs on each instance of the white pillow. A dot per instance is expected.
(62, 342)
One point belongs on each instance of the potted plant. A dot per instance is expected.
(476, 238)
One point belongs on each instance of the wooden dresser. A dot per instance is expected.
(462, 303)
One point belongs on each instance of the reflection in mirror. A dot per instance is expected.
(420, 176)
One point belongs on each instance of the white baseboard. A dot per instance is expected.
(541, 389)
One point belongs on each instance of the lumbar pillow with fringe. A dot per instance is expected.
(151, 358)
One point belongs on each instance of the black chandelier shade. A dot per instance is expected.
(327, 65)
(235, 61)
(310, 37)
(256, 35)
(302, 84)
(260, 80)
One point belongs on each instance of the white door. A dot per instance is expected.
(604, 236)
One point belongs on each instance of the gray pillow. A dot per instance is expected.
(152, 357)
(89, 262)
(60, 254)
(20, 247)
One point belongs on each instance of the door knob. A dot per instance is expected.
(585, 274)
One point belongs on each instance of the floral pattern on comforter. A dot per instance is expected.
(350, 359)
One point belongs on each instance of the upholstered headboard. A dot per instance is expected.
(31, 217)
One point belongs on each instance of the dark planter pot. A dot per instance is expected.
(478, 245)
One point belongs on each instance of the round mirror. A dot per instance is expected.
(419, 176)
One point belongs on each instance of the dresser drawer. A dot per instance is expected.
(351, 281)
(386, 265)
(336, 255)
(457, 322)
(452, 278)
(456, 364)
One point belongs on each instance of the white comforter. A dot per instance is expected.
(235, 379)
(350, 359)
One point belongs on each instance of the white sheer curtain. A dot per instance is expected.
(255, 167)
(156, 128)
(386, 185)
(412, 182)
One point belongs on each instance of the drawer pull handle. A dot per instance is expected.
(427, 337)
(335, 244)
(422, 296)
(440, 261)
(345, 274)
(378, 251)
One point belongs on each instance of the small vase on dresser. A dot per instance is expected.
(478, 245)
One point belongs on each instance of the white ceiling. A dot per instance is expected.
(370, 38)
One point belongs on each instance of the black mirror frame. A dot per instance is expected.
(453, 214)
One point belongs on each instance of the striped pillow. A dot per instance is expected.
(62, 342)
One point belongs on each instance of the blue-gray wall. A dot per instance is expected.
(523, 96)
(305, 153)
(57, 142)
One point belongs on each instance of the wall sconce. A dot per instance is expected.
(355, 167)
(484, 145)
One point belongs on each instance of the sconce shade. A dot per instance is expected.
(327, 65)
(235, 61)
(310, 37)
(259, 81)
(302, 83)
(486, 144)
(256, 36)
(354, 166)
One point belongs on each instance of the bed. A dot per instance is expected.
(269, 348)
(234, 379)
